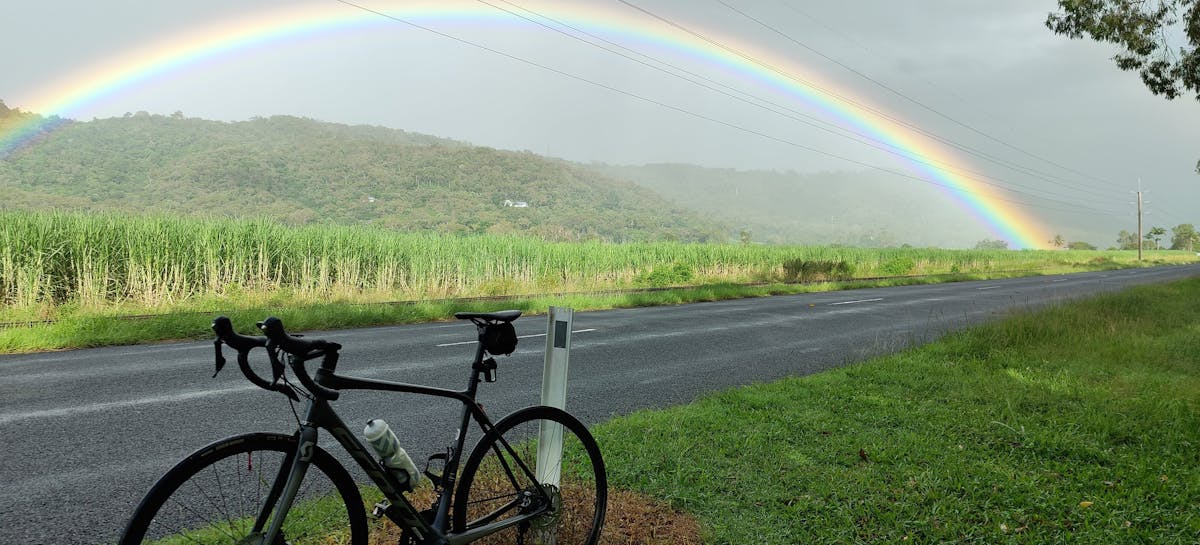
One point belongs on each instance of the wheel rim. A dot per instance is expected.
(217, 499)
(572, 511)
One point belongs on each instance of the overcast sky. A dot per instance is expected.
(977, 87)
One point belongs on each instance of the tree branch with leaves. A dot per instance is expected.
(1158, 38)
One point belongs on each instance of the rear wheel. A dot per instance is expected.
(499, 481)
(215, 495)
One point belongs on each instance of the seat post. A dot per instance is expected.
(477, 362)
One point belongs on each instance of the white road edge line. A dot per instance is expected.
(9, 418)
(519, 337)
(858, 301)
(988, 288)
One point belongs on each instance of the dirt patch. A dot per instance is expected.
(632, 519)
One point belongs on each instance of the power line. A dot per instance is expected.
(658, 64)
(906, 97)
(869, 51)
(1174, 216)
(697, 115)
(839, 96)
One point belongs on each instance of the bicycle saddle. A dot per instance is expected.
(500, 316)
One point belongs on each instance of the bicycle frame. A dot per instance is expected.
(320, 415)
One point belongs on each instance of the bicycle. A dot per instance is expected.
(271, 488)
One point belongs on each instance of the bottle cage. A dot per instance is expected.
(500, 339)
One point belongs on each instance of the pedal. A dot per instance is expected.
(380, 509)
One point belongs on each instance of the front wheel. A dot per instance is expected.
(567, 493)
(217, 494)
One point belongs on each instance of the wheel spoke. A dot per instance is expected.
(216, 495)
(498, 483)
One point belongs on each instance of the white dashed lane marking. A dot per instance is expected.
(857, 301)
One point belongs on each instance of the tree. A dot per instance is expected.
(1153, 235)
(1080, 245)
(1148, 31)
(1058, 241)
(1127, 240)
(1184, 237)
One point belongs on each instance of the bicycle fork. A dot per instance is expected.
(287, 485)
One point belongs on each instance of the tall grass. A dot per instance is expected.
(55, 260)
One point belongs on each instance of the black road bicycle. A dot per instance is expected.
(515, 486)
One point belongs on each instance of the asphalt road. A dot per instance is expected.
(86, 432)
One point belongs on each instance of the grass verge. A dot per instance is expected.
(1080, 423)
(91, 328)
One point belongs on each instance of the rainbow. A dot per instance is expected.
(929, 161)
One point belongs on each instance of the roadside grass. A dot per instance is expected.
(81, 328)
(1079, 423)
(315, 517)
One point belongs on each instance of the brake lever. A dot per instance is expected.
(276, 366)
(220, 358)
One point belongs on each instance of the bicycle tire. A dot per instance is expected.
(491, 478)
(203, 487)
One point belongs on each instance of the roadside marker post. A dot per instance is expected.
(554, 392)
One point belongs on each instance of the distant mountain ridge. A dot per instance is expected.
(864, 209)
(306, 171)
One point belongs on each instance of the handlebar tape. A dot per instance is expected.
(244, 344)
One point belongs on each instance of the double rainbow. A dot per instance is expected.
(75, 92)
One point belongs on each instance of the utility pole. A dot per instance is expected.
(1139, 222)
(1139, 195)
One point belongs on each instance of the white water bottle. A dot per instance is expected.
(384, 441)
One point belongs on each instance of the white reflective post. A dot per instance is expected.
(554, 392)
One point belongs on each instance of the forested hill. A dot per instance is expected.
(305, 171)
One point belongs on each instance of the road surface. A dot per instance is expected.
(87, 432)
